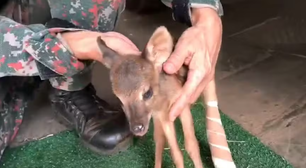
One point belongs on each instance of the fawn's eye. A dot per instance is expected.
(148, 94)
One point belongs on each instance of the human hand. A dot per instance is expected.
(198, 48)
(84, 44)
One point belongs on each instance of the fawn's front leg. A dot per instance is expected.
(220, 151)
(176, 153)
(160, 140)
(191, 142)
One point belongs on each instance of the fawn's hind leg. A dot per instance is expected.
(191, 142)
(170, 134)
(160, 140)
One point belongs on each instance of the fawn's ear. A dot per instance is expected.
(109, 55)
(159, 47)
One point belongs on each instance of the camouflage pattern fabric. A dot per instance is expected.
(26, 45)
(15, 92)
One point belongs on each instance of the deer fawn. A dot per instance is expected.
(146, 91)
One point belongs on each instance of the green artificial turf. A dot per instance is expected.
(65, 151)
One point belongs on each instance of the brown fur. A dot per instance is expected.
(132, 76)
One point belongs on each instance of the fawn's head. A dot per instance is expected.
(135, 78)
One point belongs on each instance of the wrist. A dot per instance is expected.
(205, 17)
(210, 23)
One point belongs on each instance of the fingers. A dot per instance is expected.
(195, 76)
(194, 79)
(208, 78)
(196, 94)
(177, 58)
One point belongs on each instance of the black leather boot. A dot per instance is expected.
(102, 128)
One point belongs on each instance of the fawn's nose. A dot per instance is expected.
(138, 128)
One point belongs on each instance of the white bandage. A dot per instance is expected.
(220, 163)
(212, 104)
(218, 120)
(220, 147)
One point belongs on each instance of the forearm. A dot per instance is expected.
(214, 4)
(37, 45)
(206, 17)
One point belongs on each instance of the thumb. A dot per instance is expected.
(176, 60)
(121, 37)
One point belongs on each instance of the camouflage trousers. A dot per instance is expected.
(15, 93)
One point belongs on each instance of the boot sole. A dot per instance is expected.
(120, 147)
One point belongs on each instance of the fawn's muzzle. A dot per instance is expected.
(138, 128)
(138, 117)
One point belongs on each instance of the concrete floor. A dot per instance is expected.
(261, 73)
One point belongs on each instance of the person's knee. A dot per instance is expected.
(84, 16)
(21, 87)
(74, 83)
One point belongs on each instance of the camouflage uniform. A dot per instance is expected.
(33, 52)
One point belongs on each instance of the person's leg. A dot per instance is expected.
(15, 93)
(102, 128)
(95, 121)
